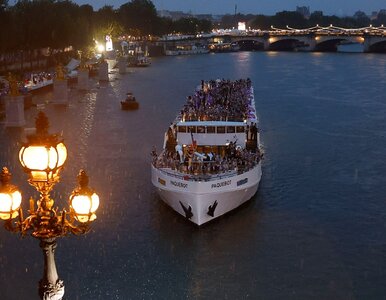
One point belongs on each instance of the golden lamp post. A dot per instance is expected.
(42, 158)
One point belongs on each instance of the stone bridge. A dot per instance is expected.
(290, 39)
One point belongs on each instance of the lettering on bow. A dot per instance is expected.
(221, 184)
(179, 184)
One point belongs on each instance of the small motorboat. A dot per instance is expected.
(130, 103)
(139, 61)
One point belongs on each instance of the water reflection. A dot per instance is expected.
(314, 229)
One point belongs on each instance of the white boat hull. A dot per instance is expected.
(194, 199)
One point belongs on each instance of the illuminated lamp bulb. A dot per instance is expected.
(100, 48)
(10, 197)
(43, 156)
(83, 200)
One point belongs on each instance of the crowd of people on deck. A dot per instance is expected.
(219, 100)
(207, 164)
(36, 78)
(215, 100)
(29, 81)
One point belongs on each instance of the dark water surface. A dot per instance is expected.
(316, 229)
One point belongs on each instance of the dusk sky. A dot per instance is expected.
(266, 7)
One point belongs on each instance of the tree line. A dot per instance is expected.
(56, 24)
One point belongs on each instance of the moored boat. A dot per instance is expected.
(37, 82)
(143, 61)
(224, 47)
(186, 50)
(211, 158)
(139, 61)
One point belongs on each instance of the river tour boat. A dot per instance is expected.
(211, 158)
(186, 50)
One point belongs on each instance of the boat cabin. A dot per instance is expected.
(211, 133)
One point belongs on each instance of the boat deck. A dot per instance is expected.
(220, 100)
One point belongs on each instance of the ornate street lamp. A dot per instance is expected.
(42, 158)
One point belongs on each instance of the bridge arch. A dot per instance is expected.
(378, 47)
(285, 44)
(331, 43)
(290, 42)
(250, 44)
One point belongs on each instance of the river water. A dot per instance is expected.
(316, 229)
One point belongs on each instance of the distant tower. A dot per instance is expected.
(235, 9)
(304, 10)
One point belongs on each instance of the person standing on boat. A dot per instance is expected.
(191, 149)
(171, 140)
(189, 155)
(253, 130)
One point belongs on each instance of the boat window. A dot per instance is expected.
(230, 129)
(240, 129)
(200, 129)
(181, 128)
(192, 129)
(220, 129)
(210, 129)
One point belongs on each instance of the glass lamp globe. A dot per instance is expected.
(83, 200)
(10, 197)
(44, 155)
(43, 162)
(85, 206)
